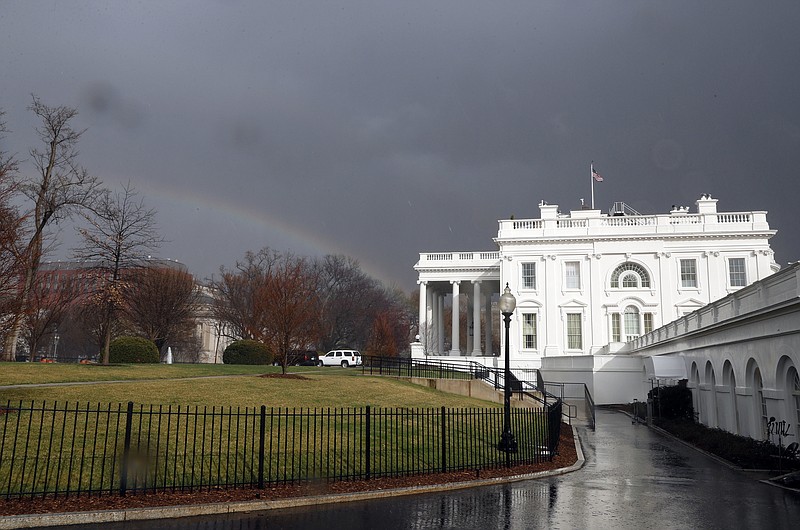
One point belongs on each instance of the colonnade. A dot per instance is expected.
(432, 321)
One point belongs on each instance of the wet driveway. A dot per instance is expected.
(633, 478)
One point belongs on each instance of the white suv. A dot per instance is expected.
(343, 358)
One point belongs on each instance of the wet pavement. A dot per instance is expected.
(633, 478)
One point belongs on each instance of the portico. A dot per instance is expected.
(470, 278)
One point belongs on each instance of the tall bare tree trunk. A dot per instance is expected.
(60, 187)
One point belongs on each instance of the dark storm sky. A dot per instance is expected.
(384, 129)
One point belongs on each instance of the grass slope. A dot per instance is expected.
(37, 373)
(327, 387)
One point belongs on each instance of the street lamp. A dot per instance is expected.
(507, 442)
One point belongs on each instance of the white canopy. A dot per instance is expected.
(665, 367)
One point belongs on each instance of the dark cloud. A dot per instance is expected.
(386, 129)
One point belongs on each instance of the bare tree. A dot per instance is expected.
(10, 240)
(160, 303)
(59, 187)
(292, 306)
(120, 234)
(382, 341)
(46, 308)
(8, 162)
(349, 303)
(240, 296)
(272, 298)
(391, 326)
(91, 316)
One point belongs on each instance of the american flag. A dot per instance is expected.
(596, 175)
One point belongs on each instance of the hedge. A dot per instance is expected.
(247, 352)
(133, 350)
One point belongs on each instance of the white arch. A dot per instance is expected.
(729, 381)
(788, 383)
(711, 405)
(694, 384)
(758, 405)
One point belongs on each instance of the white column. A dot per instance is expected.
(430, 346)
(468, 349)
(476, 318)
(440, 325)
(423, 315)
(489, 324)
(454, 346)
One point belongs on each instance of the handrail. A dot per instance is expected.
(582, 394)
(474, 370)
(464, 367)
(589, 401)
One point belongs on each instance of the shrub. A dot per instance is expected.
(743, 451)
(675, 402)
(133, 350)
(247, 352)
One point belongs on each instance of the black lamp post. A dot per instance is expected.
(507, 442)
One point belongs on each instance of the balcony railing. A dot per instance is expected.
(634, 224)
(474, 258)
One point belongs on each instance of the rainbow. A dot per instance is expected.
(308, 243)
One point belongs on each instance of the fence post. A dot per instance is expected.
(123, 477)
(261, 447)
(444, 445)
(367, 444)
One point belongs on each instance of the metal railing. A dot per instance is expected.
(524, 382)
(578, 392)
(57, 449)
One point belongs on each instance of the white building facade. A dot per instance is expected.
(587, 281)
(211, 333)
(741, 357)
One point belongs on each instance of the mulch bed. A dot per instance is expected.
(565, 458)
(284, 376)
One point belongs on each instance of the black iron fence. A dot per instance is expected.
(74, 449)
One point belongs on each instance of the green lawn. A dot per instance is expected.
(28, 373)
(167, 385)
(205, 432)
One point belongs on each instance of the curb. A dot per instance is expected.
(10, 522)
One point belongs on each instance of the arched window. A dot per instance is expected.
(631, 322)
(630, 280)
(633, 276)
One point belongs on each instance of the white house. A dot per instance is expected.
(588, 281)
(740, 355)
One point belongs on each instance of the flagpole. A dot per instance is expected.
(591, 179)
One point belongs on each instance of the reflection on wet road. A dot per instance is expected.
(633, 478)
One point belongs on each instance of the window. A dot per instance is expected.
(648, 322)
(529, 331)
(529, 276)
(630, 280)
(738, 273)
(616, 328)
(631, 322)
(632, 274)
(688, 273)
(574, 331)
(572, 274)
